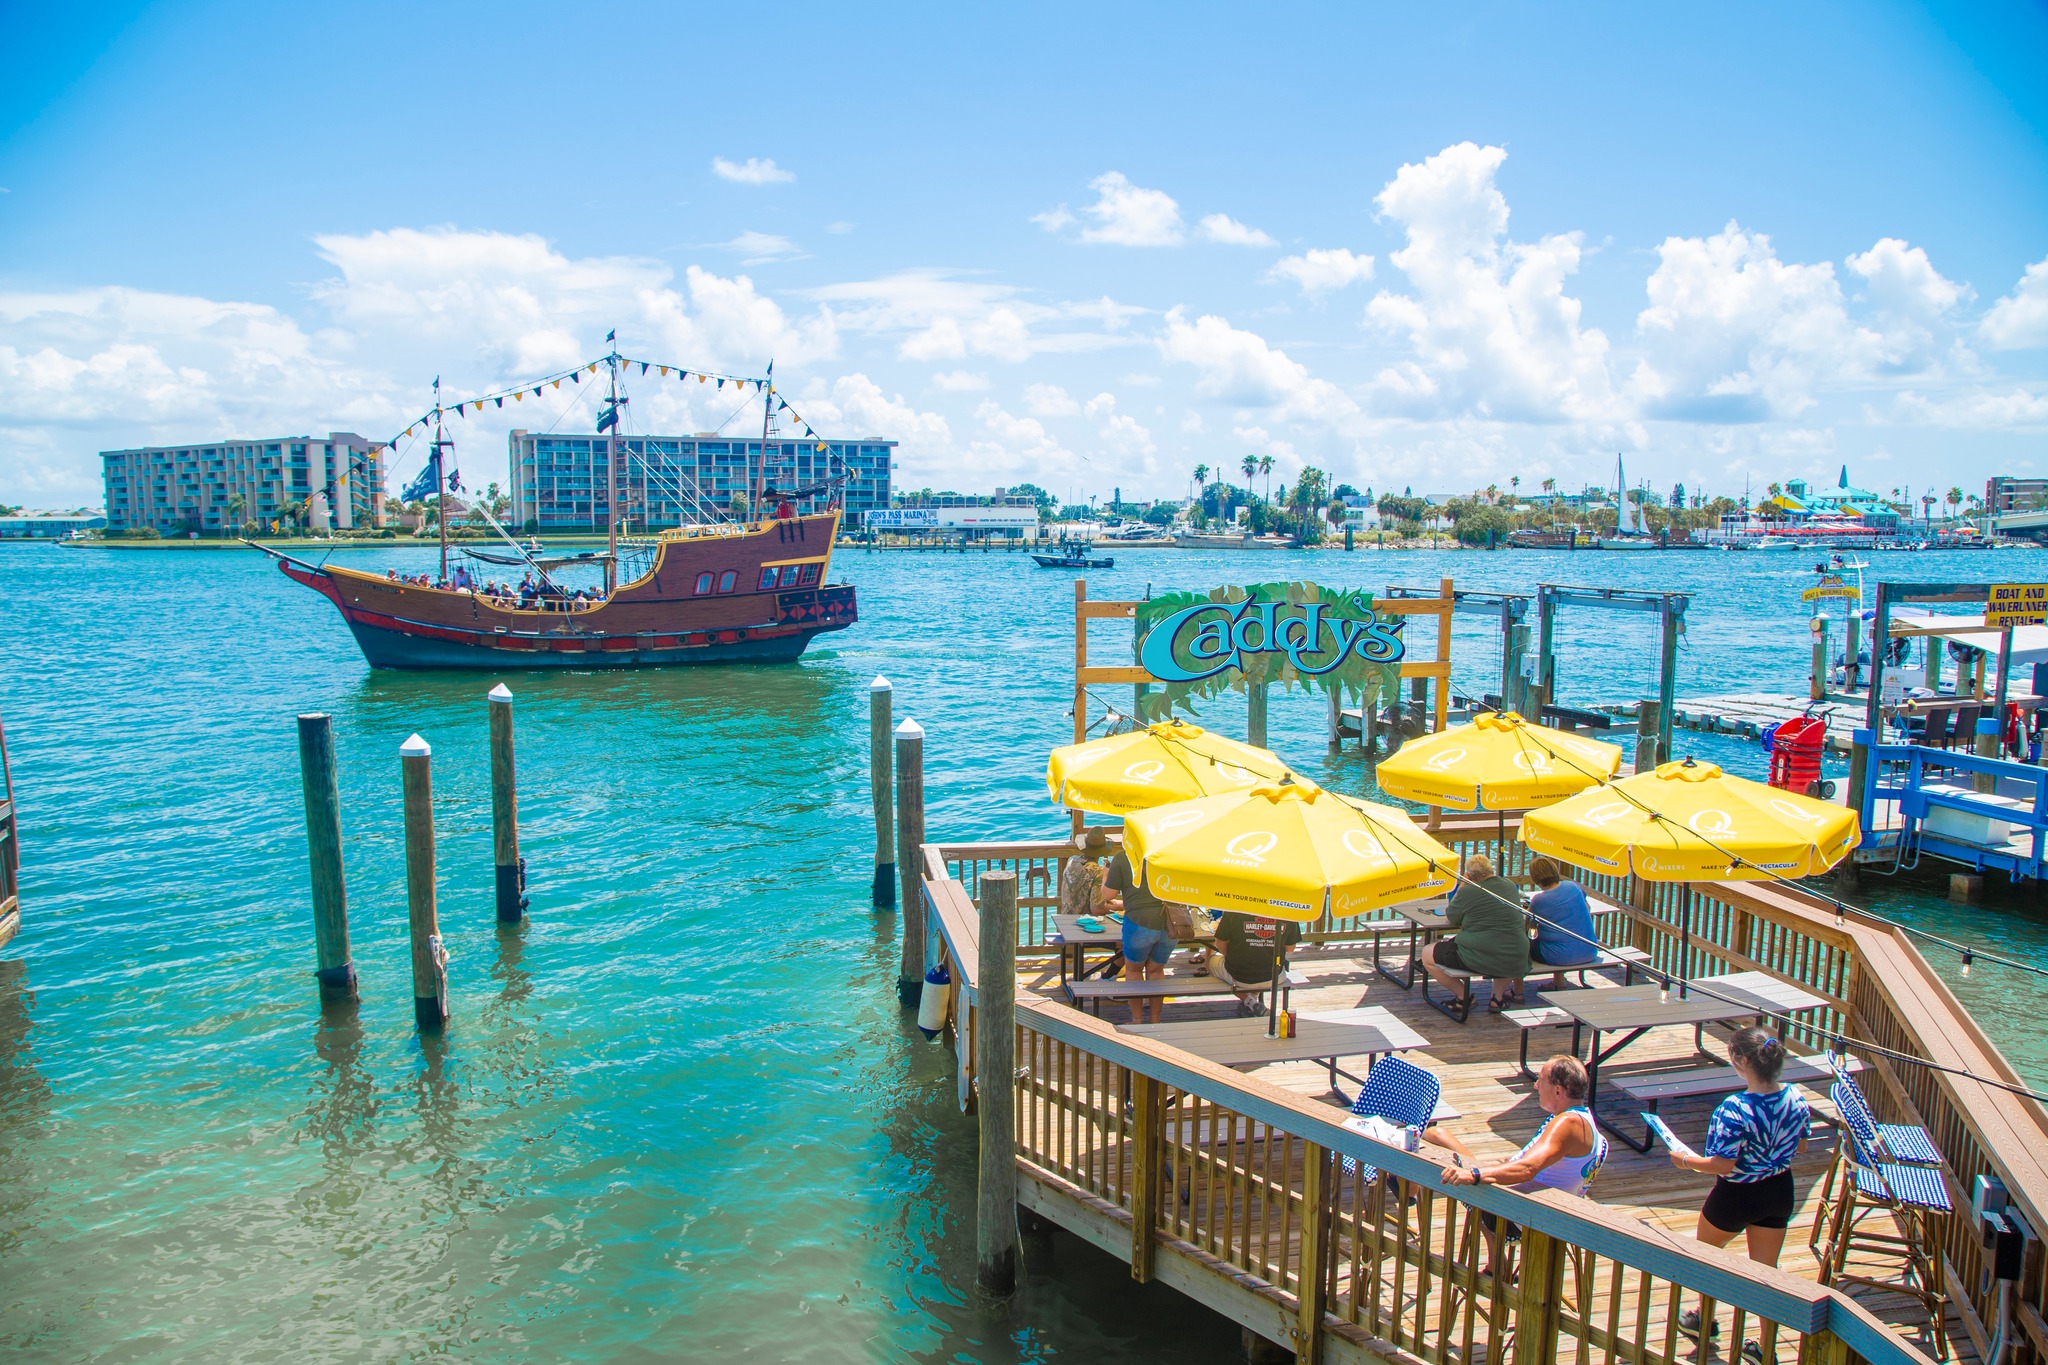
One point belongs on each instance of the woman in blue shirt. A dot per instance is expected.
(1751, 1141)
(1564, 919)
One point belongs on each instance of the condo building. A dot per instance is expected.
(559, 480)
(218, 486)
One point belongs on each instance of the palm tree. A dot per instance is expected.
(1250, 466)
(1266, 468)
(1550, 486)
(1201, 481)
(1955, 497)
(236, 505)
(1515, 482)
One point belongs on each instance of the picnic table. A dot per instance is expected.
(1074, 942)
(1370, 1031)
(1633, 1011)
(1426, 920)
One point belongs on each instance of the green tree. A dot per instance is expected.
(1250, 466)
(236, 504)
(1266, 468)
(1201, 480)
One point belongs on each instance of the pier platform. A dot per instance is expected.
(1749, 714)
(1239, 1187)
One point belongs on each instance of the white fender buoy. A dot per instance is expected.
(931, 1006)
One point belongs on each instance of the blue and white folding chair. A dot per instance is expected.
(1913, 1195)
(1399, 1092)
(1900, 1142)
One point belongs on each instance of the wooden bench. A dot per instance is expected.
(1459, 1006)
(1172, 986)
(1651, 1088)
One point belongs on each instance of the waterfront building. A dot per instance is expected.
(50, 525)
(216, 486)
(1012, 515)
(2004, 493)
(559, 479)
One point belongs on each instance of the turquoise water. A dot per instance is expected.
(678, 1114)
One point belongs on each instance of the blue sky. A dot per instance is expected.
(1090, 246)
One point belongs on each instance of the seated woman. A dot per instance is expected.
(1564, 919)
(1567, 1150)
(1249, 945)
(1082, 890)
(1487, 913)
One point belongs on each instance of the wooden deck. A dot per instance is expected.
(1476, 1063)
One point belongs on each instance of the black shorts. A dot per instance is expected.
(1735, 1205)
(1447, 955)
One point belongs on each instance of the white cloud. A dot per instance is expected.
(838, 227)
(942, 316)
(1050, 400)
(2020, 319)
(1240, 367)
(1123, 214)
(1318, 271)
(1494, 333)
(1981, 410)
(855, 405)
(1733, 334)
(1221, 227)
(762, 248)
(1911, 300)
(1119, 432)
(959, 381)
(753, 171)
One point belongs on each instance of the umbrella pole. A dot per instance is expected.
(1500, 852)
(1273, 1005)
(1684, 937)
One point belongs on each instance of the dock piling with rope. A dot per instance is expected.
(333, 969)
(429, 955)
(511, 868)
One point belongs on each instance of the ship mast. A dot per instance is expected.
(611, 472)
(440, 479)
(767, 430)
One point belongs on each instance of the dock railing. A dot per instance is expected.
(1896, 802)
(1113, 1131)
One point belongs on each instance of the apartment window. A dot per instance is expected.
(703, 583)
(727, 579)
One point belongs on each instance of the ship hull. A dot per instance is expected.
(757, 596)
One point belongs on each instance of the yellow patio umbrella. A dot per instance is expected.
(1498, 762)
(1160, 764)
(1286, 850)
(1688, 822)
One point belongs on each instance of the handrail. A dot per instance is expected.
(1773, 1296)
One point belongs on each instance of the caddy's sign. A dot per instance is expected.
(1204, 639)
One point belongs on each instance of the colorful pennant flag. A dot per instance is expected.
(662, 368)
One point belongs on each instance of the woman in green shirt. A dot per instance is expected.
(1486, 912)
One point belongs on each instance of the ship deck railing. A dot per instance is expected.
(1231, 1187)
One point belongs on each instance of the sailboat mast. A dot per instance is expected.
(611, 476)
(767, 420)
(440, 481)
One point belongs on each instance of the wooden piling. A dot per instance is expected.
(1336, 718)
(1255, 712)
(333, 967)
(909, 840)
(882, 788)
(511, 868)
(429, 957)
(1648, 715)
(995, 1070)
(1817, 689)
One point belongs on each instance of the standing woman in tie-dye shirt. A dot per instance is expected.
(1751, 1141)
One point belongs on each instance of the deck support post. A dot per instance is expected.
(511, 868)
(1649, 718)
(1817, 687)
(1145, 1174)
(1823, 1348)
(1312, 1277)
(1542, 1292)
(909, 840)
(429, 956)
(1255, 712)
(1336, 700)
(995, 1072)
(333, 968)
(1671, 615)
(882, 787)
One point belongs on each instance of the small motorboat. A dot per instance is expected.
(1074, 553)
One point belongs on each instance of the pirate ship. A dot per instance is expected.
(714, 589)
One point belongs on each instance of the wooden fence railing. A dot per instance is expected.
(1878, 991)
(1249, 1198)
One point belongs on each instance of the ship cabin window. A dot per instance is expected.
(703, 583)
(768, 577)
(726, 580)
(807, 575)
(789, 572)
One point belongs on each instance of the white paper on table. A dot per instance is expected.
(1670, 1139)
(1379, 1130)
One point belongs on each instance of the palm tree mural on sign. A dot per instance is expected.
(1250, 466)
(1266, 468)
